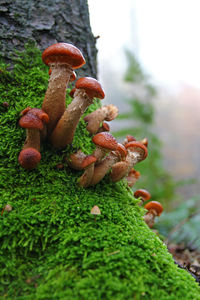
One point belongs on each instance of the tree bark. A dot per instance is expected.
(46, 22)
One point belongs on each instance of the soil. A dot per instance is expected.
(186, 257)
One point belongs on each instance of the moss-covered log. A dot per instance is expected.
(50, 245)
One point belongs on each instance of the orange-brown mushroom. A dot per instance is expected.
(104, 127)
(62, 58)
(106, 164)
(136, 152)
(143, 194)
(129, 138)
(155, 209)
(94, 119)
(86, 89)
(105, 143)
(132, 177)
(75, 160)
(33, 119)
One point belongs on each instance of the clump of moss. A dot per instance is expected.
(50, 245)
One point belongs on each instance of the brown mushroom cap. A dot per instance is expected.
(29, 158)
(105, 126)
(91, 86)
(71, 93)
(63, 53)
(142, 193)
(154, 206)
(33, 118)
(122, 151)
(105, 140)
(134, 173)
(138, 147)
(90, 159)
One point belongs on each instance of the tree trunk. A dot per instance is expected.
(45, 23)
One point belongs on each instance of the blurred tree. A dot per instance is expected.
(141, 114)
(45, 23)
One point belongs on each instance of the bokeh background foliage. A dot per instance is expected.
(50, 245)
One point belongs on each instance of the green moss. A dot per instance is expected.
(50, 245)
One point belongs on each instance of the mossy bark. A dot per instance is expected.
(45, 23)
(50, 245)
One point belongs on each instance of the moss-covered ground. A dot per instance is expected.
(50, 245)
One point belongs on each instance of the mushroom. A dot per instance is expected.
(155, 209)
(71, 93)
(136, 152)
(7, 208)
(143, 194)
(129, 138)
(95, 211)
(94, 119)
(88, 165)
(119, 171)
(132, 177)
(75, 161)
(105, 143)
(72, 77)
(105, 165)
(104, 127)
(62, 58)
(86, 89)
(33, 120)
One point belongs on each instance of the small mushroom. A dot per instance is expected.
(105, 143)
(132, 177)
(129, 138)
(143, 194)
(86, 89)
(106, 164)
(33, 119)
(88, 165)
(155, 209)
(62, 58)
(75, 161)
(95, 211)
(29, 158)
(119, 171)
(136, 152)
(94, 119)
(71, 93)
(7, 208)
(104, 127)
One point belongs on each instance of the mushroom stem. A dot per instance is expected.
(54, 100)
(103, 167)
(86, 178)
(63, 134)
(149, 219)
(32, 139)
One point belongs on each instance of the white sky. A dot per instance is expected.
(165, 35)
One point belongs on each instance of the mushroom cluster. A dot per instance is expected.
(57, 123)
